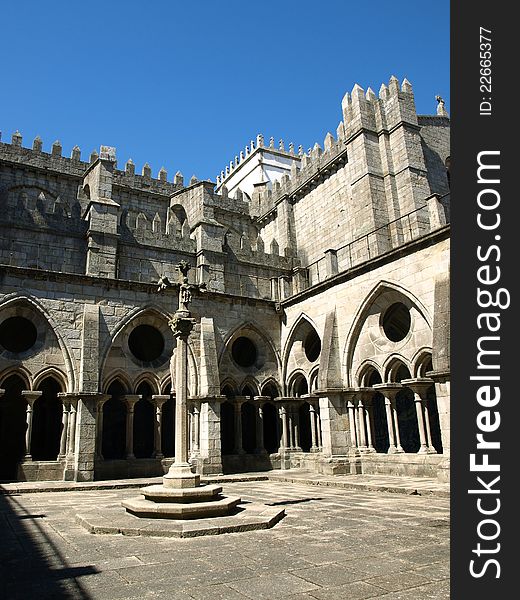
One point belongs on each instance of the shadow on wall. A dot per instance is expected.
(31, 566)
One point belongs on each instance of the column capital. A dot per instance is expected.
(261, 399)
(389, 390)
(2, 392)
(31, 396)
(239, 400)
(419, 385)
(160, 399)
(131, 399)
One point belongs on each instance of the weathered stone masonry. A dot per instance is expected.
(322, 340)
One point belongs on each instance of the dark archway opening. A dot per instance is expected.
(144, 422)
(433, 414)
(227, 427)
(114, 423)
(168, 424)
(300, 387)
(47, 416)
(272, 428)
(248, 427)
(407, 419)
(12, 427)
(380, 425)
(305, 427)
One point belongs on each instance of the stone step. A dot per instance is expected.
(159, 493)
(180, 510)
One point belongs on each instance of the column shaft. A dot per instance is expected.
(64, 429)
(421, 424)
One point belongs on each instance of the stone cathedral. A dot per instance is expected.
(321, 340)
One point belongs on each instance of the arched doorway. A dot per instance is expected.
(12, 426)
(144, 422)
(114, 423)
(46, 424)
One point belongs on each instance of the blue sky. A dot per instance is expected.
(186, 84)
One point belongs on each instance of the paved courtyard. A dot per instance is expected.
(333, 544)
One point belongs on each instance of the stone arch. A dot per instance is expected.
(136, 313)
(295, 354)
(391, 368)
(165, 382)
(245, 327)
(313, 379)
(229, 388)
(118, 375)
(21, 372)
(50, 372)
(270, 386)
(365, 371)
(364, 310)
(13, 300)
(422, 362)
(177, 222)
(249, 387)
(150, 379)
(297, 383)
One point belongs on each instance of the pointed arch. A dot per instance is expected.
(365, 370)
(392, 365)
(243, 327)
(301, 319)
(70, 367)
(359, 318)
(117, 375)
(420, 361)
(21, 372)
(148, 378)
(164, 383)
(252, 383)
(270, 382)
(53, 372)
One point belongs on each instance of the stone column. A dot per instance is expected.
(349, 403)
(282, 411)
(361, 424)
(389, 391)
(419, 388)
(314, 433)
(64, 429)
(296, 425)
(239, 400)
(30, 398)
(99, 425)
(71, 434)
(130, 402)
(259, 402)
(195, 446)
(158, 401)
(366, 397)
